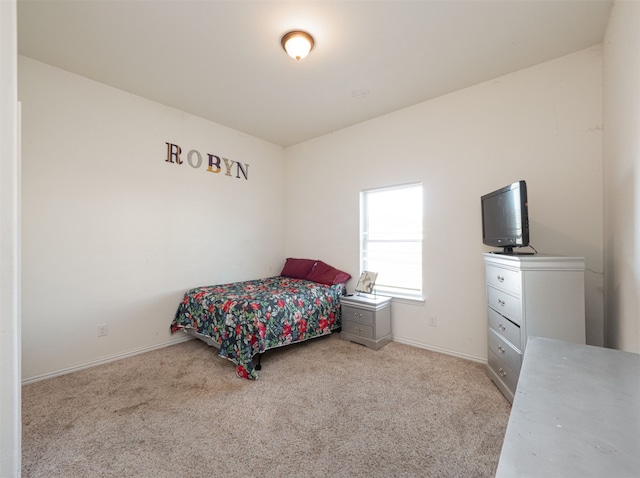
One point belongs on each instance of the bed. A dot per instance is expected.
(245, 319)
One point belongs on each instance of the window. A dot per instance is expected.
(391, 238)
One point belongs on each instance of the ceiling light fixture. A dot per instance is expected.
(297, 44)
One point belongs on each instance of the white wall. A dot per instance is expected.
(10, 393)
(622, 176)
(113, 234)
(542, 124)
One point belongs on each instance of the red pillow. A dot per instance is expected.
(297, 268)
(325, 274)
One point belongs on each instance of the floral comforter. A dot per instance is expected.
(246, 318)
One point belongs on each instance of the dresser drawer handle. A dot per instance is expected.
(502, 373)
(502, 327)
(500, 278)
(501, 302)
(500, 349)
(357, 329)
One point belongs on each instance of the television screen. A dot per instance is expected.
(505, 217)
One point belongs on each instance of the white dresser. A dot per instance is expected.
(530, 295)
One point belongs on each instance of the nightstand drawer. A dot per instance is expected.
(358, 315)
(355, 328)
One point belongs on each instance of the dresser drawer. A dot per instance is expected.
(354, 314)
(506, 328)
(507, 376)
(504, 279)
(356, 328)
(505, 351)
(505, 304)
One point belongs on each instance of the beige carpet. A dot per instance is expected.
(323, 408)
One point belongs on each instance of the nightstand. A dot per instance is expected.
(366, 320)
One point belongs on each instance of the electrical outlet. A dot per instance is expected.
(433, 321)
(102, 330)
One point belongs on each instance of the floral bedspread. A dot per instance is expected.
(246, 318)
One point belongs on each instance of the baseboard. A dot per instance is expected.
(111, 358)
(184, 337)
(473, 358)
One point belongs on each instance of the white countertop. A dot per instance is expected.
(576, 413)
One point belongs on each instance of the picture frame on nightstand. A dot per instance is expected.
(366, 282)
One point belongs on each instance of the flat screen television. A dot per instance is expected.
(505, 218)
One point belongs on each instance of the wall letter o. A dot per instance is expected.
(190, 161)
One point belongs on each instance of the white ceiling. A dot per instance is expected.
(222, 60)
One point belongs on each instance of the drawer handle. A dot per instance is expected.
(500, 349)
(501, 302)
(502, 373)
(502, 327)
(500, 278)
(357, 329)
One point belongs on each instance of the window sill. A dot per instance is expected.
(404, 299)
(408, 300)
